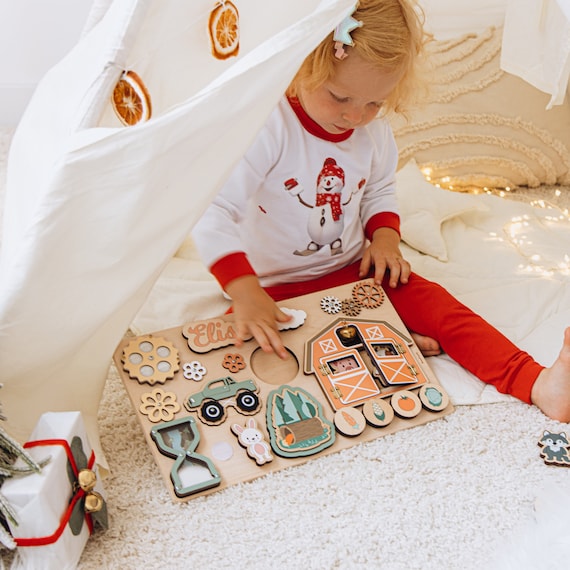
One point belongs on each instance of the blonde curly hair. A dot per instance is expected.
(391, 37)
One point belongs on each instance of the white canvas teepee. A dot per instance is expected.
(95, 209)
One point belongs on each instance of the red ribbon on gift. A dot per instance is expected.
(80, 493)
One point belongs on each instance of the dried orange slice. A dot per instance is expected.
(224, 30)
(131, 100)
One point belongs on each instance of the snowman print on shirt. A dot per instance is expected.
(326, 223)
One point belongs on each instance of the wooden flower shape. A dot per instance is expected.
(233, 362)
(159, 406)
(194, 371)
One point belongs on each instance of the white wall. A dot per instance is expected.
(34, 35)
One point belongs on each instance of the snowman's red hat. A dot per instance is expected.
(331, 168)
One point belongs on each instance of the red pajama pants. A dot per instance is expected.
(428, 309)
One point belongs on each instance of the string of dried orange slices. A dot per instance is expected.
(131, 99)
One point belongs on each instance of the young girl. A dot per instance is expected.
(312, 205)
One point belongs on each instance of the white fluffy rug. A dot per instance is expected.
(469, 491)
(458, 493)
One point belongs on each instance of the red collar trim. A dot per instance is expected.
(314, 128)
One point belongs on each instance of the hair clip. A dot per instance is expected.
(341, 36)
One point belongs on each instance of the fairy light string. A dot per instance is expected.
(553, 216)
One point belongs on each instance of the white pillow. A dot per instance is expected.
(480, 126)
(425, 207)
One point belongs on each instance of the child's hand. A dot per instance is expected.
(384, 254)
(256, 314)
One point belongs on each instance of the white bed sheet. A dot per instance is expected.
(507, 260)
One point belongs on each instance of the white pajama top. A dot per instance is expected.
(302, 202)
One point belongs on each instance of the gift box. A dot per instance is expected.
(56, 509)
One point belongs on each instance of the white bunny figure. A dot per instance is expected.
(252, 439)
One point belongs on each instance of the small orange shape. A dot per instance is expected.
(406, 403)
(224, 30)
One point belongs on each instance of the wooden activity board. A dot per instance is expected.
(214, 415)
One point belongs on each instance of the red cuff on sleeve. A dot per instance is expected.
(231, 267)
(382, 220)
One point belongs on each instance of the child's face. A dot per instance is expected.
(349, 99)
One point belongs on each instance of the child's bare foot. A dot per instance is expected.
(551, 391)
(428, 346)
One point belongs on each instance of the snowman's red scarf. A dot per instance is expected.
(333, 200)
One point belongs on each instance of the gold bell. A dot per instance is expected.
(87, 479)
(93, 502)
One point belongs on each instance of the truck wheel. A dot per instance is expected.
(212, 412)
(247, 401)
